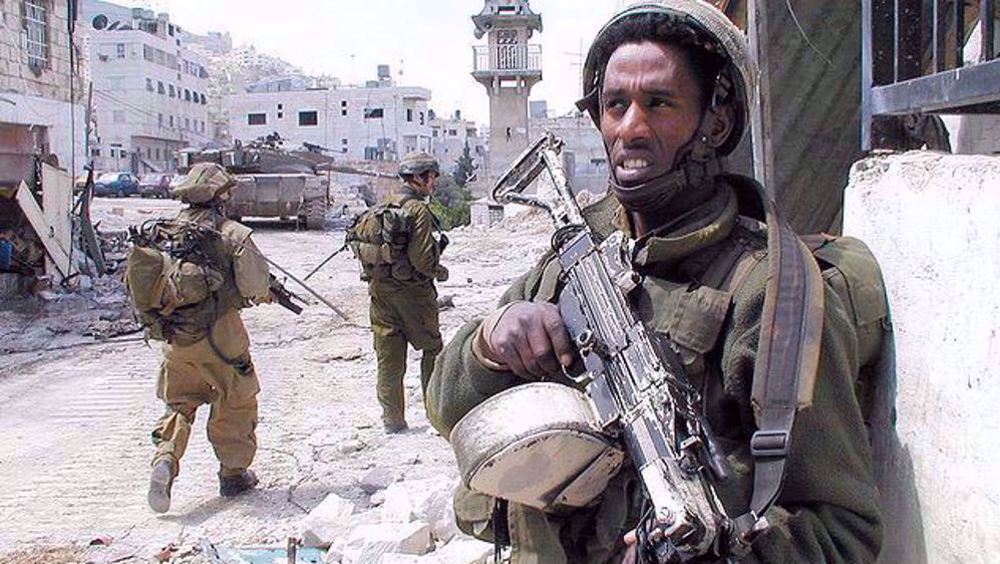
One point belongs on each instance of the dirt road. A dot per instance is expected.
(75, 422)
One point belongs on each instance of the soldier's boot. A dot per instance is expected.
(394, 424)
(232, 486)
(161, 480)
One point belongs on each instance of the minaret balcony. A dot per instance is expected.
(507, 60)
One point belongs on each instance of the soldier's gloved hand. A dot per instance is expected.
(443, 243)
(529, 339)
(441, 274)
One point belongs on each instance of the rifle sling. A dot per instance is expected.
(787, 358)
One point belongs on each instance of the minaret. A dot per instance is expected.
(508, 66)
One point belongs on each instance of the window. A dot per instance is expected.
(159, 119)
(435, 133)
(120, 50)
(343, 142)
(409, 114)
(372, 113)
(187, 95)
(157, 153)
(281, 106)
(171, 121)
(203, 100)
(281, 115)
(308, 118)
(187, 124)
(36, 33)
(159, 87)
(421, 118)
(149, 84)
(172, 91)
(453, 132)
(343, 108)
(149, 153)
(257, 119)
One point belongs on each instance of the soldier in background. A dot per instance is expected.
(206, 356)
(400, 259)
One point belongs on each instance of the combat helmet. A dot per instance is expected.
(417, 163)
(736, 83)
(204, 183)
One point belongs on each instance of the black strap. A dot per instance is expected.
(786, 363)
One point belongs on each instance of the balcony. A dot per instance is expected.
(507, 60)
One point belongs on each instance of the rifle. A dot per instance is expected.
(638, 390)
(283, 296)
(326, 260)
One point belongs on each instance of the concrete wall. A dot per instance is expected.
(589, 171)
(932, 222)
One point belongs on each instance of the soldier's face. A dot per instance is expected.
(651, 106)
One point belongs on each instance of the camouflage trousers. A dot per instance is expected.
(193, 376)
(401, 316)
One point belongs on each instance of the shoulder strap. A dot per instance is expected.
(787, 357)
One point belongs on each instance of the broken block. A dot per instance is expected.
(327, 522)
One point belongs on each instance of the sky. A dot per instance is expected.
(426, 42)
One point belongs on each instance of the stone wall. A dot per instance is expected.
(16, 76)
(932, 221)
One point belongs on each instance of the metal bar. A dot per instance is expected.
(897, 40)
(969, 86)
(938, 35)
(867, 75)
(986, 18)
(959, 33)
(760, 112)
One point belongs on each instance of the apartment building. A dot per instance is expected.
(377, 121)
(150, 91)
(450, 136)
(40, 91)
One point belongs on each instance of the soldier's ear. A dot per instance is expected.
(718, 125)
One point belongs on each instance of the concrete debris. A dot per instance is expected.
(377, 479)
(341, 354)
(465, 550)
(327, 522)
(353, 445)
(368, 543)
(446, 302)
(423, 500)
(445, 529)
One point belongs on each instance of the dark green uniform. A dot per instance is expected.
(827, 511)
(404, 304)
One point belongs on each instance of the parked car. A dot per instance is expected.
(156, 185)
(119, 184)
(175, 181)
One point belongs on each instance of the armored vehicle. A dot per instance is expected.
(272, 181)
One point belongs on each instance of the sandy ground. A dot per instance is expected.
(75, 416)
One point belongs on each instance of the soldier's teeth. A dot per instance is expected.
(635, 163)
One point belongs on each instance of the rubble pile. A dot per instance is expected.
(414, 523)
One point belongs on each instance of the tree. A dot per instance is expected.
(451, 204)
(465, 168)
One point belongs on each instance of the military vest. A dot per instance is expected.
(179, 276)
(379, 240)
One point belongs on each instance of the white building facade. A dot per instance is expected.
(450, 137)
(379, 121)
(40, 91)
(150, 91)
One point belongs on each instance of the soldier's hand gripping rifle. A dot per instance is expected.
(638, 391)
(283, 296)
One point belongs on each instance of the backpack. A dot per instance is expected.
(180, 280)
(379, 238)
